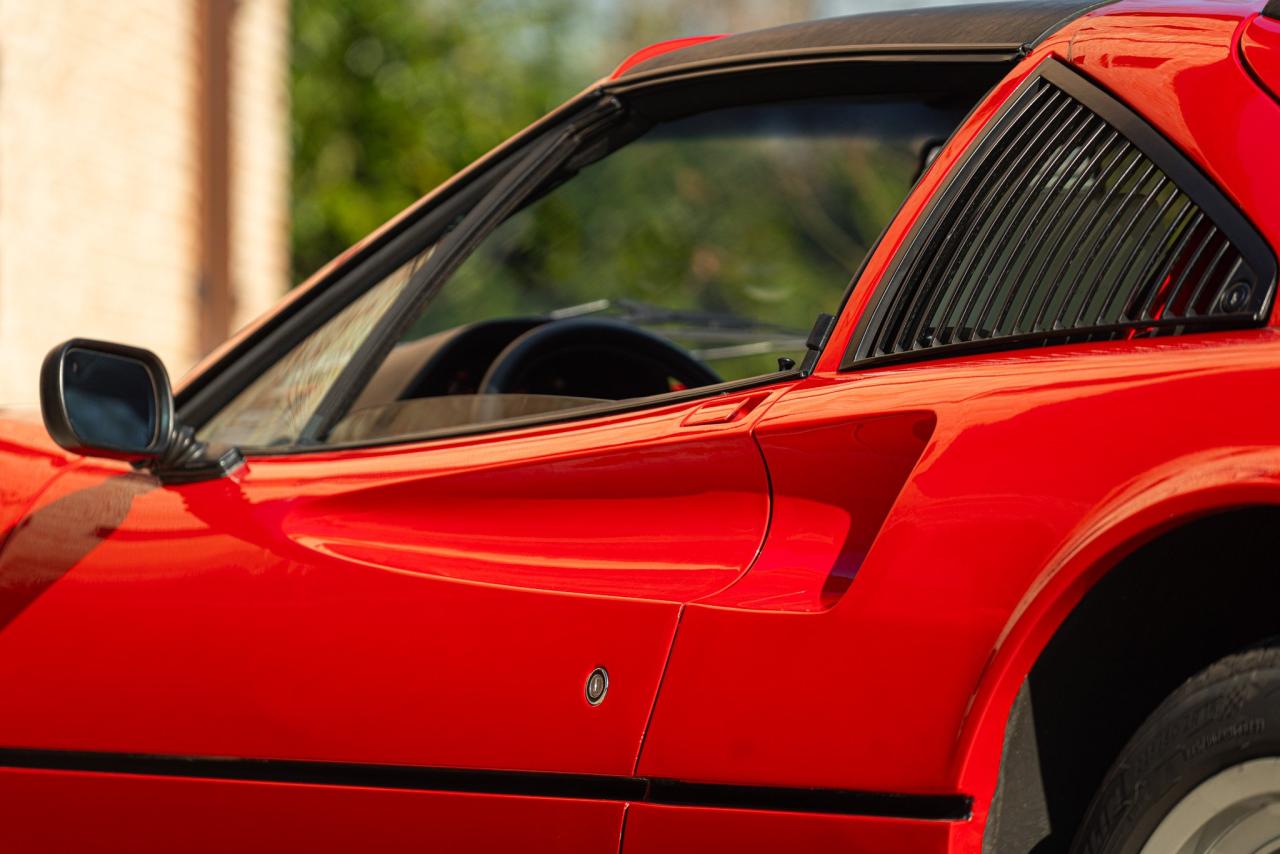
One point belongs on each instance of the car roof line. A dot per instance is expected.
(979, 27)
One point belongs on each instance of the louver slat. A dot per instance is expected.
(1075, 229)
(976, 211)
(1070, 220)
(1031, 117)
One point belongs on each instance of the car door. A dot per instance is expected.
(422, 618)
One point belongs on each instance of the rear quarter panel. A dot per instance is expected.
(1043, 468)
(1260, 49)
(1033, 456)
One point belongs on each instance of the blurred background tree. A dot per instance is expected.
(391, 97)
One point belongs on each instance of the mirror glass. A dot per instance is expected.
(110, 400)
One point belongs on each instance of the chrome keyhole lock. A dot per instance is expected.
(597, 686)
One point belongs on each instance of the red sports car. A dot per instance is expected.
(859, 435)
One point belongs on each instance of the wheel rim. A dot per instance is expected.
(1234, 812)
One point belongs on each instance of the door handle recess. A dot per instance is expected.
(723, 411)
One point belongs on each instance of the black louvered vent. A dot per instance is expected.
(1072, 220)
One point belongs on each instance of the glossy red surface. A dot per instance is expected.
(42, 811)
(1260, 47)
(1024, 466)
(28, 460)
(646, 53)
(655, 828)
(837, 582)
(1185, 74)
(834, 481)
(1024, 494)
(405, 605)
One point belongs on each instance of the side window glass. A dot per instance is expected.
(696, 254)
(726, 232)
(1070, 220)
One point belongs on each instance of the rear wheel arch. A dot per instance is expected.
(1195, 592)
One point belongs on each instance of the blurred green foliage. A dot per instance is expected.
(391, 97)
(765, 224)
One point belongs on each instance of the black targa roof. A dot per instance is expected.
(985, 26)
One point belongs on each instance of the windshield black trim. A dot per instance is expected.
(522, 180)
(203, 392)
(200, 401)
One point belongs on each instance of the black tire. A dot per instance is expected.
(1222, 718)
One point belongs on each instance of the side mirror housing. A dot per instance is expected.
(107, 400)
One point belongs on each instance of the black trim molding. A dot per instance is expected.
(516, 783)
(832, 801)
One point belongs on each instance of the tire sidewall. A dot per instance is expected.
(1206, 727)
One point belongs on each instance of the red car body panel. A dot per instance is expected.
(647, 53)
(843, 588)
(29, 460)
(124, 813)
(1029, 489)
(656, 828)
(887, 689)
(1260, 47)
(296, 626)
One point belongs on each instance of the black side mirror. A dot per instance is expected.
(107, 400)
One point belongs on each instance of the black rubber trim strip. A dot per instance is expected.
(1060, 25)
(576, 786)
(1265, 86)
(594, 787)
(833, 801)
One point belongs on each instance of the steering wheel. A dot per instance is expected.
(593, 357)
